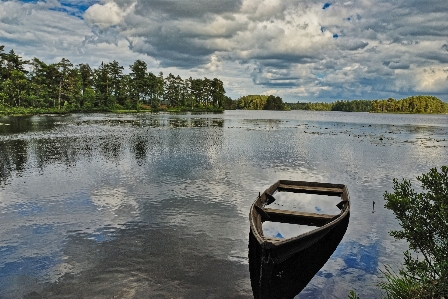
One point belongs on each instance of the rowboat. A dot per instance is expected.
(282, 267)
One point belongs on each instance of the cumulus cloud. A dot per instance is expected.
(34, 28)
(105, 15)
(330, 50)
(432, 80)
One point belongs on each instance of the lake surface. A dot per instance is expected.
(156, 205)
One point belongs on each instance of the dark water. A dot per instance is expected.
(156, 205)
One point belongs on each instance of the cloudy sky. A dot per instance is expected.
(301, 50)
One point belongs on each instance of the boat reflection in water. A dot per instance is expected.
(281, 267)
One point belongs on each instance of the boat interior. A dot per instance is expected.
(292, 210)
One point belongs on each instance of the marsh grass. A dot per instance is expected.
(401, 286)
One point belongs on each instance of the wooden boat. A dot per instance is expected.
(281, 268)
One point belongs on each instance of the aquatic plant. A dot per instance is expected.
(353, 295)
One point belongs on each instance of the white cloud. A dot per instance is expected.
(105, 15)
(294, 47)
(214, 64)
(263, 10)
(432, 80)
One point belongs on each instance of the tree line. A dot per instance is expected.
(258, 102)
(36, 84)
(413, 104)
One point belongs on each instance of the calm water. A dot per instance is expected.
(156, 205)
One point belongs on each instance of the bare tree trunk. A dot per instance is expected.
(59, 96)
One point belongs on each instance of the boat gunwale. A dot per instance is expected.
(264, 241)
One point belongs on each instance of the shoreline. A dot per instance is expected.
(18, 111)
(51, 111)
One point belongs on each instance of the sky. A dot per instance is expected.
(307, 51)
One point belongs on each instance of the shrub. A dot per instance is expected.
(424, 220)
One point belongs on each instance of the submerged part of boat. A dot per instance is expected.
(282, 267)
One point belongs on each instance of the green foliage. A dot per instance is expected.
(352, 106)
(423, 219)
(252, 102)
(353, 295)
(310, 106)
(88, 98)
(65, 87)
(31, 111)
(229, 104)
(256, 102)
(15, 89)
(403, 286)
(414, 104)
(274, 103)
(138, 86)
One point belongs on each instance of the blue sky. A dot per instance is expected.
(299, 50)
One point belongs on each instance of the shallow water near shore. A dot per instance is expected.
(156, 205)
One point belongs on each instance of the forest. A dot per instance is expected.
(35, 86)
(258, 102)
(413, 104)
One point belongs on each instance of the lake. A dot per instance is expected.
(156, 205)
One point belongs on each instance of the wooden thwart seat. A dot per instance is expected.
(310, 189)
(294, 217)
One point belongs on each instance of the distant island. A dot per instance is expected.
(414, 104)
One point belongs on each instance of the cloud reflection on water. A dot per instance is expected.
(97, 199)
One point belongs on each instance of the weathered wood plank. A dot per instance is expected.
(273, 240)
(311, 184)
(310, 189)
(294, 217)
